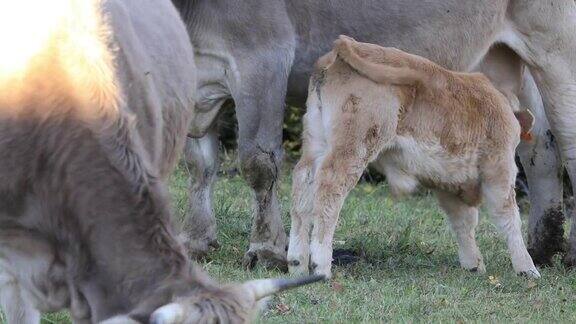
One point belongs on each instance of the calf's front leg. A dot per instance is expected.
(500, 197)
(463, 220)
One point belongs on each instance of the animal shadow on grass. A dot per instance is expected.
(403, 252)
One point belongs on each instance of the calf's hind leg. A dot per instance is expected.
(300, 214)
(358, 135)
(463, 220)
(336, 177)
(500, 197)
(303, 187)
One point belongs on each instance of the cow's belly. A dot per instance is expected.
(410, 163)
(452, 33)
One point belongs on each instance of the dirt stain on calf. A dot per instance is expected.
(351, 105)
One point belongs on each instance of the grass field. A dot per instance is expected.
(408, 271)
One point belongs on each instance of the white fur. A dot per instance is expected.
(168, 314)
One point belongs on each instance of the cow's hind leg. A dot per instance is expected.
(201, 155)
(542, 33)
(498, 181)
(463, 220)
(543, 169)
(17, 309)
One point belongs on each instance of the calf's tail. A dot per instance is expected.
(377, 72)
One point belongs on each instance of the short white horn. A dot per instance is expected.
(168, 314)
(266, 287)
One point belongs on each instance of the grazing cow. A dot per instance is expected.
(261, 52)
(420, 124)
(95, 100)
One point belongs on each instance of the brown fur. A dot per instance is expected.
(461, 111)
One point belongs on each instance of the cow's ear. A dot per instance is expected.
(526, 120)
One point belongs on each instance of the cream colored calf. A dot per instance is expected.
(419, 124)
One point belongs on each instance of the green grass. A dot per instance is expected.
(409, 271)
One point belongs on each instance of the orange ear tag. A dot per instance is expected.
(526, 136)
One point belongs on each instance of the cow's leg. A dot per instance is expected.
(260, 164)
(201, 155)
(543, 35)
(498, 180)
(543, 170)
(17, 308)
(260, 114)
(539, 156)
(463, 220)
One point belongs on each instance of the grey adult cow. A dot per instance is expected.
(95, 100)
(261, 53)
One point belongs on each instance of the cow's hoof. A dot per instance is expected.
(269, 258)
(199, 249)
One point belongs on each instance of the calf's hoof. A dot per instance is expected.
(480, 269)
(477, 267)
(269, 257)
(298, 268)
(323, 270)
(531, 274)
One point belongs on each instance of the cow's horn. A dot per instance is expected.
(265, 287)
(168, 314)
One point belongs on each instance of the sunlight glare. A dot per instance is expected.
(25, 29)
